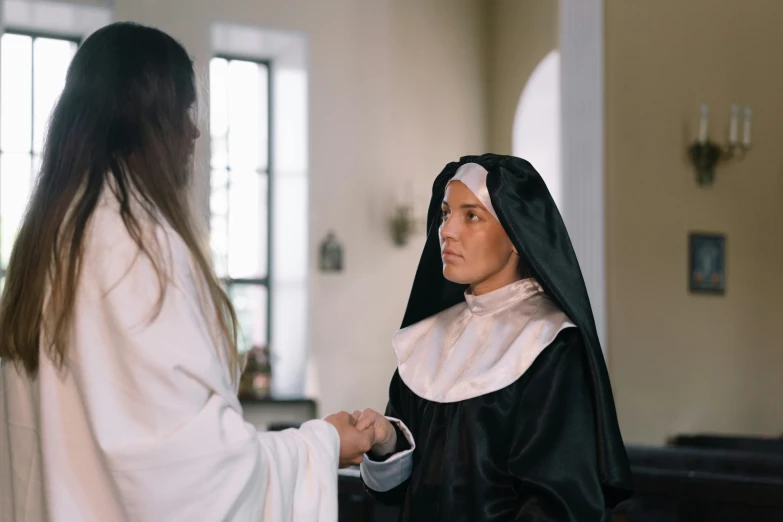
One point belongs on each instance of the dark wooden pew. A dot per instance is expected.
(681, 484)
(672, 484)
(728, 442)
(706, 460)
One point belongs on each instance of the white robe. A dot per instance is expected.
(145, 424)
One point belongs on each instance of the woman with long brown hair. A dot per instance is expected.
(118, 344)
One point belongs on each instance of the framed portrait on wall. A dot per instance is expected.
(707, 263)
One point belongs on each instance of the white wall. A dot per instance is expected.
(396, 91)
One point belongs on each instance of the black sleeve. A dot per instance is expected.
(554, 451)
(397, 407)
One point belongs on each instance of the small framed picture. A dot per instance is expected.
(707, 264)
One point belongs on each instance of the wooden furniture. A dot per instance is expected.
(672, 484)
(274, 414)
(737, 443)
(681, 484)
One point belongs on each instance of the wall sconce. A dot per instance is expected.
(402, 224)
(705, 155)
(404, 221)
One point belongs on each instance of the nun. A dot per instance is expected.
(500, 408)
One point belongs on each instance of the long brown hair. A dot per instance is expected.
(123, 119)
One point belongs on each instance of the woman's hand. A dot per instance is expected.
(353, 442)
(385, 436)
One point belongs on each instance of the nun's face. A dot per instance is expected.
(474, 246)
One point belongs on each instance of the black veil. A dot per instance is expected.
(533, 223)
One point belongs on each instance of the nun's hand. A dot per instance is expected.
(353, 442)
(384, 433)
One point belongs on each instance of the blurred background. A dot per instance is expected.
(324, 122)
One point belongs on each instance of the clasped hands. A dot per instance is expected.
(363, 432)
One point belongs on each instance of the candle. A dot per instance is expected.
(705, 112)
(746, 130)
(734, 125)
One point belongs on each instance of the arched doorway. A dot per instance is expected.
(536, 133)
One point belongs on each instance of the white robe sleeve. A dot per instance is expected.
(164, 410)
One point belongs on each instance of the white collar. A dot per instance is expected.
(503, 297)
(479, 346)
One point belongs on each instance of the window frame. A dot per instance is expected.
(265, 282)
(33, 35)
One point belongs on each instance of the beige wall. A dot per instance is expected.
(396, 91)
(520, 33)
(399, 87)
(679, 362)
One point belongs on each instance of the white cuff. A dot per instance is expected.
(385, 476)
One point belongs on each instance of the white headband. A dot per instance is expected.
(474, 176)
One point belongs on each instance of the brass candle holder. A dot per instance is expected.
(705, 155)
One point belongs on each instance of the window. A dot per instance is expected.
(240, 190)
(286, 136)
(32, 76)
